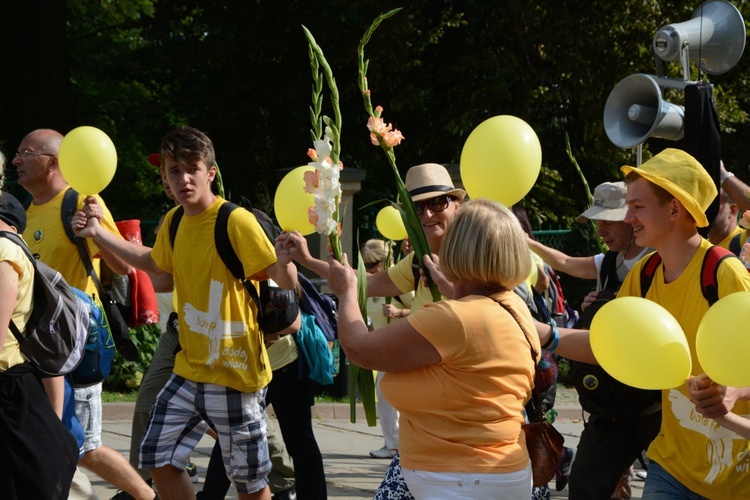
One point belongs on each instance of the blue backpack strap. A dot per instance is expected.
(710, 270)
(648, 270)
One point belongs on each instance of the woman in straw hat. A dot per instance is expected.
(467, 366)
(436, 201)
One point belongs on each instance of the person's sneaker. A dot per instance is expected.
(192, 471)
(562, 474)
(383, 453)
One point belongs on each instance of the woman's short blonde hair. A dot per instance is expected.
(375, 251)
(485, 243)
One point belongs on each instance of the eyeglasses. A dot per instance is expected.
(25, 153)
(437, 204)
(372, 265)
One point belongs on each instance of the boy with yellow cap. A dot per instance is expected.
(692, 456)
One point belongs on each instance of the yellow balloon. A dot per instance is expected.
(390, 224)
(640, 344)
(88, 159)
(721, 340)
(501, 160)
(290, 203)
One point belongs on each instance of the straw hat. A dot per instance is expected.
(683, 177)
(430, 180)
(609, 203)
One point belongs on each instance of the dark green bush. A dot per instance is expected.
(126, 376)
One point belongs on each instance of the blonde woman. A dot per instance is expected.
(465, 367)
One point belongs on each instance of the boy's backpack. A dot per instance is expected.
(100, 347)
(322, 307)
(598, 392)
(55, 335)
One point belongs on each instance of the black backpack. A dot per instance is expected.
(55, 335)
(277, 308)
(598, 392)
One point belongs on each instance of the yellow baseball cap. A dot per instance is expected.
(683, 177)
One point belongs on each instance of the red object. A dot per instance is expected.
(144, 310)
(154, 160)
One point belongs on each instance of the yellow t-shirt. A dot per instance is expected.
(46, 238)
(709, 460)
(737, 230)
(220, 339)
(402, 276)
(375, 308)
(14, 255)
(465, 413)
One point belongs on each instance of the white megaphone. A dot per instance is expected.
(714, 38)
(635, 111)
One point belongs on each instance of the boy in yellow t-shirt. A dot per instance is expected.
(222, 371)
(692, 455)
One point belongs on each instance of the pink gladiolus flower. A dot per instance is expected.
(393, 138)
(312, 181)
(312, 154)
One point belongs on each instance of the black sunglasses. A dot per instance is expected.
(437, 204)
(372, 265)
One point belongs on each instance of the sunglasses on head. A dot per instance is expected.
(372, 265)
(437, 204)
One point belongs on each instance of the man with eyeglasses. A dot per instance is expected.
(39, 173)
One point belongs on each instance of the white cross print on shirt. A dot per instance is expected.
(210, 323)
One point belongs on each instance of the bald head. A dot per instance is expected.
(37, 166)
(45, 140)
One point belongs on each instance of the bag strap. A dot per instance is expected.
(608, 272)
(714, 256)
(18, 241)
(223, 248)
(68, 209)
(734, 244)
(710, 270)
(647, 272)
(534, 353)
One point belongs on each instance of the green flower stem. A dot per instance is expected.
(408, 213)
(358, 377)
(219, 181)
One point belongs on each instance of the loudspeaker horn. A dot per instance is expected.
(635, 111)
(714, 38)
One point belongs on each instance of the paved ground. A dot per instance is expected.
(350, 472)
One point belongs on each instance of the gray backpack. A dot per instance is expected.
(55, 335)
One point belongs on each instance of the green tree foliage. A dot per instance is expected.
(239, 70)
